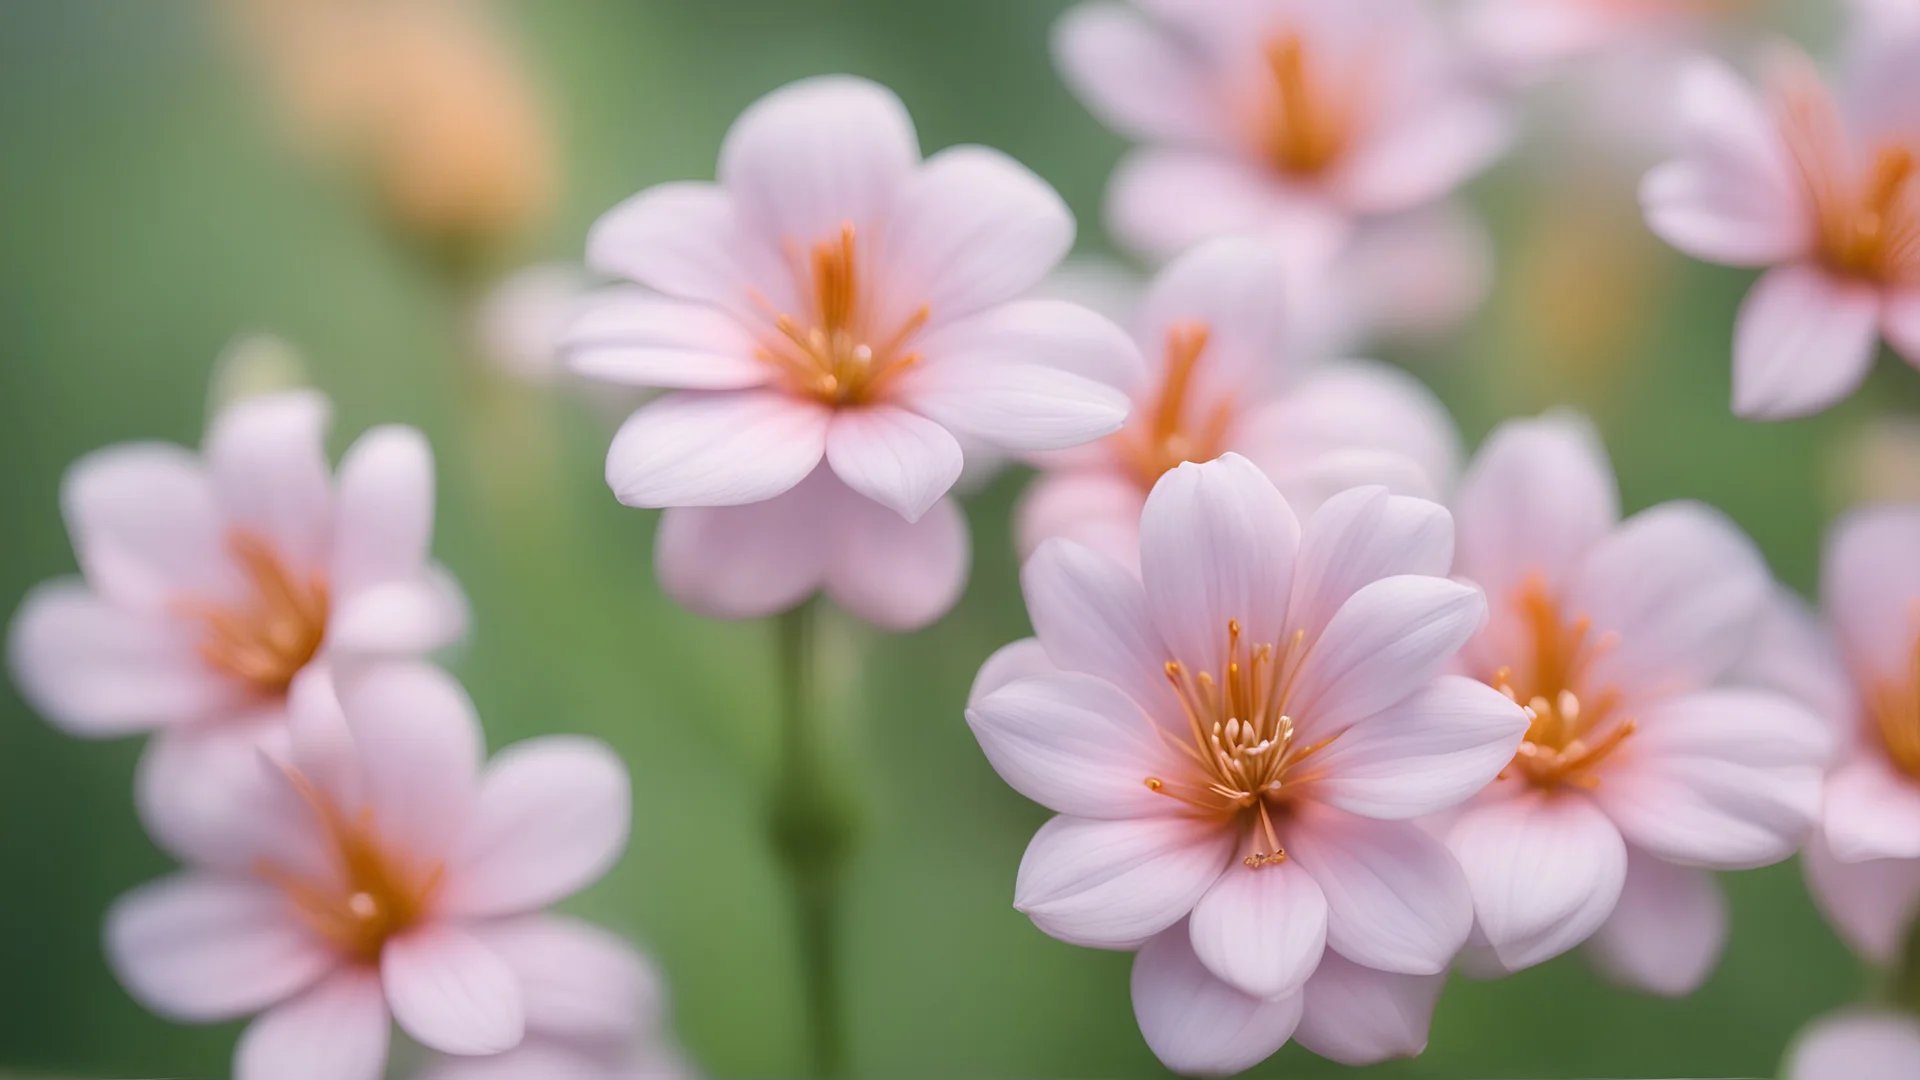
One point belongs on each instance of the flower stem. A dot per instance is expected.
(812, 826)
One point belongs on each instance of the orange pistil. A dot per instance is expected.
(1162, 434)
(1894, 709)
(375, 894)
(1866, 221)
(834, 353)
(1567, 737)
(267, 640)
(1306, 127)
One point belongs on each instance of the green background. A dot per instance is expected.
(146, 217)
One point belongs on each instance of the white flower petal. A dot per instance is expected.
(748, 562)
(899, 459)
(896, 574)
(1861, 1044)
(1015, 405)
(1870, 584)
(401, 617)
(336, 1031)
(818, 154)
(147, 526)
(1114, 884)
(1668, 930)
(1871, 811)
(1804, 340)
(1545, 872)
(720, 449)
(577, 981)
(1870, 904)
(1091, 614)
(197, 948)
(1358, 1016)
(1048, 333)
(687, 240)
(1433, 750)
(1425, 154)
(631, 337)
(1538, 495)
(1076, 745)
(1395, 899)
(385, 527)
(1023, 659)
(417, 742)
(1136, 78)
(1261, 930)
(451, 992)
(1198, 1025)
(268, 458)
(1359, 537)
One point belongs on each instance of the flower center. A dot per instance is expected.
(1239, 737)
(265, 640)
(1162, 435)
(1307, 125)
(1567, 735)
(1866, 221)
(1894, 707)
(374, 894)
(835, 352)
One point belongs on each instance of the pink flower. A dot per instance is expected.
(1290, 115)
(1234, 741)
(1643, 768)
(1856, 1044)
(1223, 379)
(211, 581)
(1526, 39)
(375, 870)
(835, 305)
(1826, 194)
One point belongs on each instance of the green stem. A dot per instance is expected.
(812, 830)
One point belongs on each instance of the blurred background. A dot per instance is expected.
(175, 176)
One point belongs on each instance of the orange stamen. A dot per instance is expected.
(278, 629)
(1568, 734)
(835, 353)
(1162, 434)
(1305, 132)
(1866, 221)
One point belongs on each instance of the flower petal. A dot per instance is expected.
(1870, 584)
(1395, 899)
(748, 562)
(417, 746)
(1076, 745)
(1358, 1016)
(268, 458)
(1162, 202)
(901, 460)
(336, 1031)
(1538, 495)
(1871, 811)
(687, 240)
(1425, 154)
(1861, 1044)
(1114, 884)
(577, 981)
(1023, 659)
(1097, 509)
(196, 948)
(385, 528)
(147, 526)
(1352, 424)
(1261, 931)
(1870, 904)
(206, 796)
(1217, 546)
(1804, 339)
(1047, 333)
(1900, 323)
(1434, 750)
(817, 154)
(635, 338)
(1091, 614)
(1136, 78)
(551, 817)
(1545, 872)
(400, 618)
(1357, 538)
(452, 992)
(1795, 654)
(1668, 930)
(1198, 1025)
(1234, 288)
(896, 574)
(720, 449)
(1016, 406)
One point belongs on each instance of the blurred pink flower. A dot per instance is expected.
(1234, 741)
(1291, 115)
(1824, 192)
(211, 581)
(374, 870)
(1527, 39)
(1644, 768)
(1856, 1044)
(1224, 379)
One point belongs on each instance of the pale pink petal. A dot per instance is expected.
(401, 617)
(1261, 930)
(692, 448)
(899, 459)
(1309, 485)
(1050, 333)
(1355, 539)
(206, 796)
(1354, 405)
(1538, 495)
(1794, 653)
(1358, 1016)
(1136, 78)
(1668, 930)
(971, 229)
(687, 240)
(452, 992)
(638, 339)
(1435, 749)
(95, 669)
(1728, 779)
(336, 1031)
(1900, 322)
(1091, 614)
(1015, 405)
(1235, 287)
(1872, 811)
(1114, 884)
(1023, 659)
(320, 741)
(1076, 745)
(1870, 585)
(577, 981)
(747, 562)
(1677, 592)
(1804, 340)
(384, 528)
(551, 817)
(1733, 195)
(1420, 276)
(268, 458)
(535, 1059)
(817, 154)
(1388, 640)
(1395, 899)
(197, 948)
(1862, 1044)
(1217, 545)
(1871, 905)
(1545, 872)
(1097, 509)
(147, 526)
(1162, 202)
(1425, 154)
(896, 574)
(1198, 1025)
(418, 746)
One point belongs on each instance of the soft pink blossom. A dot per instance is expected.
(1299, 116)
(1646, 766)
(1857, 1044)
(1236, 740)
(834, 302)
(369, 868)
(1223, 376)
(1527, 39)
(1821, 189)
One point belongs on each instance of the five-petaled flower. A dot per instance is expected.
(1643, 766)
(837, 316)
(368, 869)
(1235, 741)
